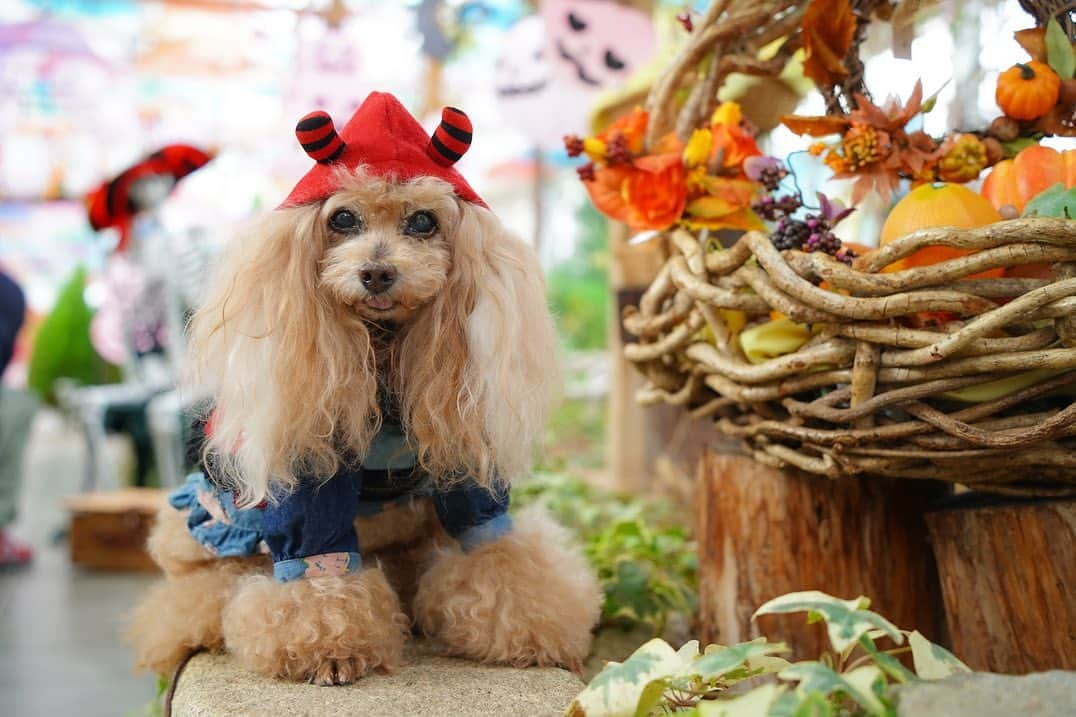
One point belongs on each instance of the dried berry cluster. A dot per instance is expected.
(812, 233)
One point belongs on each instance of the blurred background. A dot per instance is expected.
(108, 239)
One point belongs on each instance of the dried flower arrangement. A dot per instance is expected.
(942, 354)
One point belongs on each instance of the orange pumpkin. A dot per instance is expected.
(1016, 181)
(1027, 91)
(938, 204)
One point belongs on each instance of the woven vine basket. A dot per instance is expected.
(986, 401)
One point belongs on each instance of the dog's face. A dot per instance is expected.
(387, 250)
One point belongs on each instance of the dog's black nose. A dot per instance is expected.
(377, 278)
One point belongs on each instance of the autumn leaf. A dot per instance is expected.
(828, 29)
(743, 219)
(1033, 40)
(816, 126)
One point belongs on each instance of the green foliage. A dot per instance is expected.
(575, 436)
(62, 348)
(642, 554)
(1059, 54)
(1055, 201)
(846, 620)
(579, 287)
(852, 682)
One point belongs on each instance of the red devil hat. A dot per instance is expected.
(383, 137)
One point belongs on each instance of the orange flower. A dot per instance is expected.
(632, 126)
(734, 144)
(606, 193)
(655, 193)
(731, 142)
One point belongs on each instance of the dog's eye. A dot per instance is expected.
(421, 224)
(344, 220)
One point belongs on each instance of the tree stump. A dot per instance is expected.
(1008, 576)
(763, 532)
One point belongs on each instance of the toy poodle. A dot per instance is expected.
(380, 359)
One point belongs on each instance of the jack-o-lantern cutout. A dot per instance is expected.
(541, 105)
(597, 44)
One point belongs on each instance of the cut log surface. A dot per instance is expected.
(1008, 576)
(215, 686)
(764, 532)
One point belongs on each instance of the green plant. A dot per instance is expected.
(579, 288)
(643, 555)
(575, 436)
(852, 681)
(62, 348)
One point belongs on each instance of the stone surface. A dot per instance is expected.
(983, 694)
(215, 686)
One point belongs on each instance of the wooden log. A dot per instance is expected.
(764, 532)
(1008, 577)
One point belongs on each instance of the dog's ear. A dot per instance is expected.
(289, 372)
(480, 367)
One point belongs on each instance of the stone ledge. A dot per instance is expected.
(984, 694)
(427, 684)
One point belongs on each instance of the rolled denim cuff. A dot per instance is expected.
(492, 529)
(316, 566)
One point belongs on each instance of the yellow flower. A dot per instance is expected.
(698, 147)
(594, 148)
(727, 113)
(962, 159)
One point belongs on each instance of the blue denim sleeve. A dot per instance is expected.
(215, 521)
(473, 515)
(311, 530)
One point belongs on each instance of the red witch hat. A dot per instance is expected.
(383, 137)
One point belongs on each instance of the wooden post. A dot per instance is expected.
(763, 532)
(1008, 576)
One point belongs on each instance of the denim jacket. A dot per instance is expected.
(310, 530)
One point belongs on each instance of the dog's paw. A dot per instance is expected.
(182, 614)
(527, 598)
(327, 630)
(337, 672)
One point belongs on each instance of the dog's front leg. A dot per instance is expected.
(327, 630)
(323, 617)
(524, 598)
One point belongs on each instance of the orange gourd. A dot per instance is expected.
(1027, 91)
(1016, 181)
(938, 204)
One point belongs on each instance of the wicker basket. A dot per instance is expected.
(865, 394)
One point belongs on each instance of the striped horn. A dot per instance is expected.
(318, 137)
(451, 138)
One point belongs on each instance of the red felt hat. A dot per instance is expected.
(383, 137)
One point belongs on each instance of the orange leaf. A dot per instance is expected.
(1033, 40)
(740, 192)
(817, 126)
(710, 207)
(828, 29)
